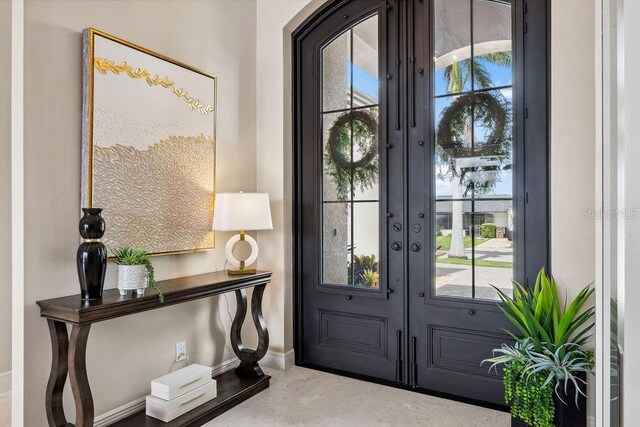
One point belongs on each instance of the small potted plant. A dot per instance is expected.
(365, 271)
(370, 278)
(545, 369)
(135, 271)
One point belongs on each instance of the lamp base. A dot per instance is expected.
(240, 266)
(241, 271)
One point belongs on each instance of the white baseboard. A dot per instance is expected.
(225, 366)
(280, 361)
(119, 413)
(131, 408)
(5, 382)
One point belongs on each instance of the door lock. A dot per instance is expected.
(415, 247)
(396, 246)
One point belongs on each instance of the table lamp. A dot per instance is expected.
(242, 212)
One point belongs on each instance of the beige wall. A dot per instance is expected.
(5, 185)
(125, 354)
(573, 142)
(573, 147)
(276, 21)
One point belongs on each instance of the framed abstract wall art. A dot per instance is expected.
(148, 157)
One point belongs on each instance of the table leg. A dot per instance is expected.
(249, 358)
(78, 376)
(58, 375)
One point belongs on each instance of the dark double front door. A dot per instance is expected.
(409, 189)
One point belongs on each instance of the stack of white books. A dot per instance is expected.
(179, 392)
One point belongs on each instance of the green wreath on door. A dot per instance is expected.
(490, 112)
(348, 173)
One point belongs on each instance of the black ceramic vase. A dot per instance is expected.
(92, 255)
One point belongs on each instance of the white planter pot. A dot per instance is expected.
(132, 277)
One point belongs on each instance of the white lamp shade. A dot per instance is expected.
(242, 211)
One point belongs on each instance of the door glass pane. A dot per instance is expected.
(452, 52)
(453, 256)
(493, 251)
(489, 169)
(350, 159)
(365, 245)
(336, 243)
(336, 182)
(365, 155)
(336, 73)
(365, 63)
(473, 148)
(453, 135)
(492, 43)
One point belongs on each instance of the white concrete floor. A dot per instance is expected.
(304, 397)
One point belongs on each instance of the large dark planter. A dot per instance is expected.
(92, 254)
(565, 415)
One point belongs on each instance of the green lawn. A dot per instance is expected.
(479, 262)
(445, 242)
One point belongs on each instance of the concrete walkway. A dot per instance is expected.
(493, 250)
(456, 280)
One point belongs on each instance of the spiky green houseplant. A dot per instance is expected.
(542, 316)
(549, 355)
(132, 256)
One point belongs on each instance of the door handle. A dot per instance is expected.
(396, 246)
(415, 247)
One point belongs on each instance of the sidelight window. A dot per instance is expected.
(473, 156)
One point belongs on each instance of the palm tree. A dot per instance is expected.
(456, 76)
(459, 73)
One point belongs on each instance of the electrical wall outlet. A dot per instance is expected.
(181, 351)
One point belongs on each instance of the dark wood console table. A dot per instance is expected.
(69, 351)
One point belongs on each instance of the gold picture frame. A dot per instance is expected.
(138, 105)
